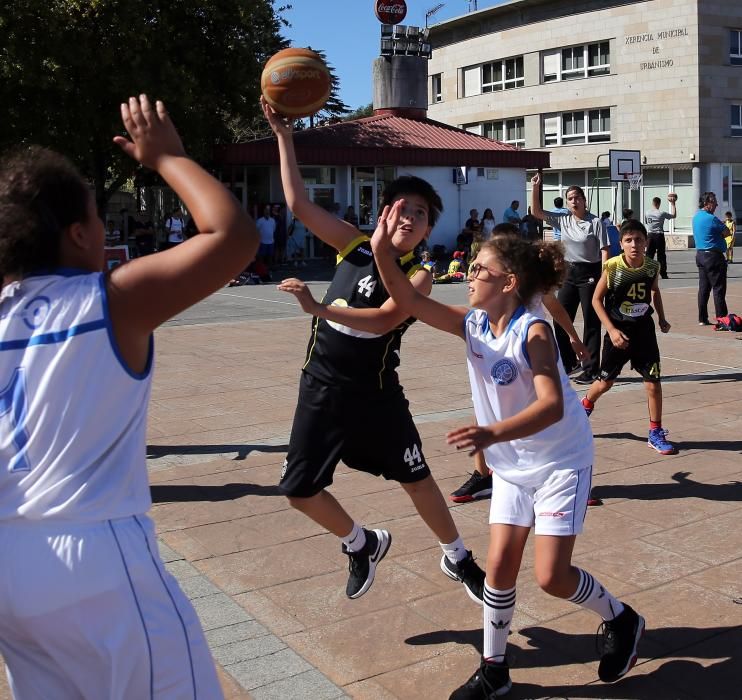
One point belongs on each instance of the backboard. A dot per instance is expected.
(623, 164)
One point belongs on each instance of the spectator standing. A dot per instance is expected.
(529, 227)
(488, 224)
(614, 237)
(113, 235)
(559, 208)
(708, 236)
(267, 229)
(350, 215)
(175, 228)
(473, 223)
(655, 221)
(510, 215)
(586, 247)
(732, 230)
(278, 212)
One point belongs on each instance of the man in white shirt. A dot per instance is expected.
(174, 227)
(266, 228)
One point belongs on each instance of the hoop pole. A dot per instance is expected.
(597, 175)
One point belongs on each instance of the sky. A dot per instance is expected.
(348, 32)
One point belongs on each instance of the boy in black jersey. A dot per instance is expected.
(622, 302)
(351, 406)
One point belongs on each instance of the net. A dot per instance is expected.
(635, 180)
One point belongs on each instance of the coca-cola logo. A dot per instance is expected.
(391, 11)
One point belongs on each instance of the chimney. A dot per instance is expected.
(401, 86)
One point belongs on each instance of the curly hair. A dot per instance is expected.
(41, 194)
(409, 184)
(539, 267)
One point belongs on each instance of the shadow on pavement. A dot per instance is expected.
(710, 445)
(184, 493)
(242, 450)
(681, 488)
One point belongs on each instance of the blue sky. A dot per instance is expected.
(348, 32)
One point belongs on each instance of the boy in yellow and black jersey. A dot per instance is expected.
(623, 301)
(351, 405)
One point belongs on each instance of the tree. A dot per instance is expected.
(335, 108)
(66, 65)
(360, 113)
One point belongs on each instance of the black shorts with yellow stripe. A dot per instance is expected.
(643, 352)
(370, 431)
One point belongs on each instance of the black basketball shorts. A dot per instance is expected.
(643, 352)
(371, 431)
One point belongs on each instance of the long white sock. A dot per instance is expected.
(356, 539)
(455, 551)
(590, 594)
(498, 614)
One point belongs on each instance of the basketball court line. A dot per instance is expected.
(242, 296)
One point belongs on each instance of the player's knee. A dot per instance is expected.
(301, 503)
(553, 581)
(421, 487)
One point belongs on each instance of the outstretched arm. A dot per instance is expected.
(405, 295)
(149, 290)
(561, 317)
(321, 223)
(547, 409)
(536, 209)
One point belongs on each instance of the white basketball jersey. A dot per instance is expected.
(502, 386)
(72, 415)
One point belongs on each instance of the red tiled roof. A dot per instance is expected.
(386, 139)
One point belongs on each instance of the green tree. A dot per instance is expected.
(360, 113)
(66, 65)
(335, 108)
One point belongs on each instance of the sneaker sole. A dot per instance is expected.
(471, 497)
(454, 577)
(385, 541)
(632, 661)
(673, 451)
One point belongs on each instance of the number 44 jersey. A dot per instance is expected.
(340, 354)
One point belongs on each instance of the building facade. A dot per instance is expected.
(581, 77)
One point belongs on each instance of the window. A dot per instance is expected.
(588, 126)
(735, 46)
(736, 121)
(436, 88)
(512, 131)
(495, 76)
(576, 62)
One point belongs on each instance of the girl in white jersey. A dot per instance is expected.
(87, 609)
(534, 435)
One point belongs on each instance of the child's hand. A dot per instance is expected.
(580, 349)
(536, 180)
(381, 241)
(473, 438)
(301, 292)
(281, 125)
(620, 340)
(152, 134)
(664, 325)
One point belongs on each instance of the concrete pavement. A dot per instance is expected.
(269, 584)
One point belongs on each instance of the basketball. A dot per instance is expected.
(672, 197)
(296, 82)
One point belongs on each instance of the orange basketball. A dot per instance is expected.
(295, 82)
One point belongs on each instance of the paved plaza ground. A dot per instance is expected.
(269, 585)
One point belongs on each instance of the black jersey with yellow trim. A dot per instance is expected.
(630, 289)
(339, 354)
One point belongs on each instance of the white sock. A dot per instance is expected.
(355, 540)
(498, 614)
(590, 594)
(455, 551)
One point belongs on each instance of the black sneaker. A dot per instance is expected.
(468, 572)
(620, 638)
(584, 378)
(362, 564)
(476, 486)
(489, 681)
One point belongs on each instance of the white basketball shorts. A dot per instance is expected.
(88, 612)
(557, 507)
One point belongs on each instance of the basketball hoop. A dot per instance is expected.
(635, 180)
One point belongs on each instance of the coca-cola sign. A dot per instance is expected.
(391, 11)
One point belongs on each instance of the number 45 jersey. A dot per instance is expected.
(630, 289)
(339, 354)
(72, 415)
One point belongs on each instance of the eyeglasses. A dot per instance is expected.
(476, 269)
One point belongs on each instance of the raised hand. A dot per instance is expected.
(153, 135)
(277, 122)
(536, 180)
(299, 289)
(381, 241)
(473, 438)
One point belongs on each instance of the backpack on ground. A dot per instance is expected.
(730, 322)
